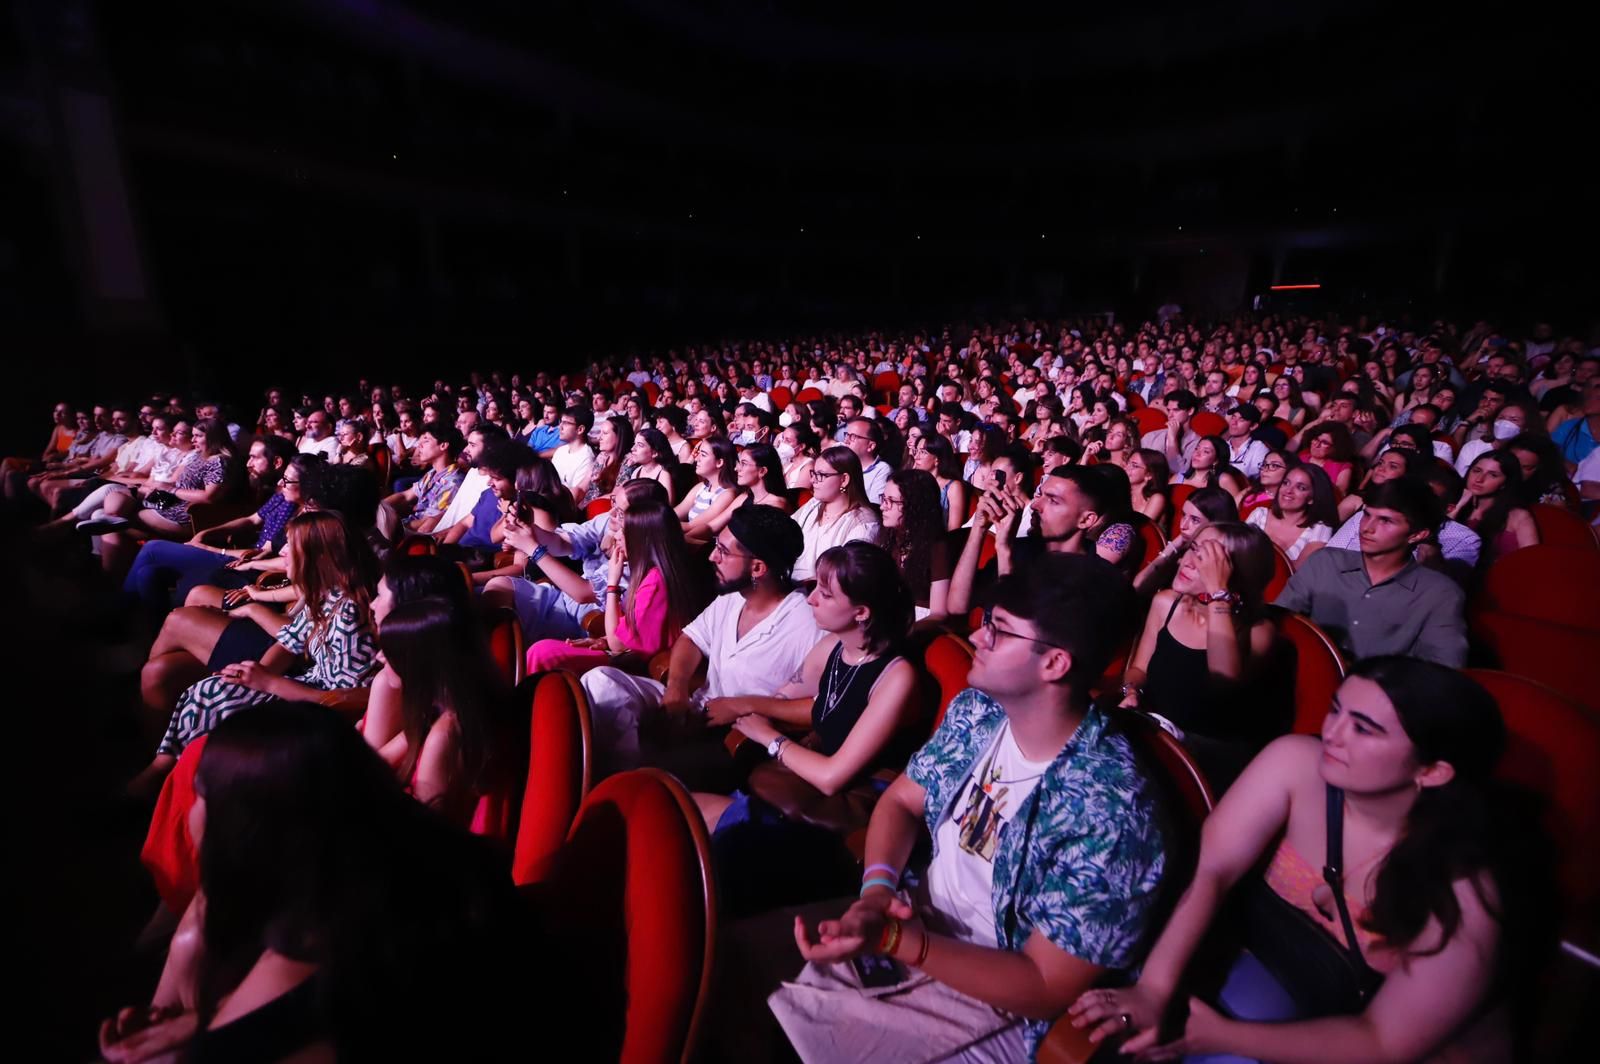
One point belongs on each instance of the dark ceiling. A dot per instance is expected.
(434, 172)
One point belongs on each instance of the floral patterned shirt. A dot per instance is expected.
(1081, 860)
(434, 492)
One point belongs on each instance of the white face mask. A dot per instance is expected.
(1504, 430)
(785, 452)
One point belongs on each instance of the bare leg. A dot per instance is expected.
(205, 596)
(192, 630)
(712, 806)
(180, 982)
(162, 680)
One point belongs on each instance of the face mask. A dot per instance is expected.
(785, 452)
(1504, 430)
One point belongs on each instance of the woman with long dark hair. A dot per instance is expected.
(758, 476)
(1430, 899)
(449, 691)
(1150, 481)
(327, 896)
(1492, 505)
(330, 625)
(936, 457)
(1302, 516)
(780, 839)
(914, 535)
(667, 587)
(839, 510)
(715, 491)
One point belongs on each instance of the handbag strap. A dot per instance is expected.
(1333, 874)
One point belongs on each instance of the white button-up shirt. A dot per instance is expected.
(765, 658)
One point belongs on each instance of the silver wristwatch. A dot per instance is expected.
(774, 746)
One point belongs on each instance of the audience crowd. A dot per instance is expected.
(741, 553)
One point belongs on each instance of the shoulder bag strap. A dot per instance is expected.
(1333, 873)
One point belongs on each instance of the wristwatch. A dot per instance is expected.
(1220, 595)
(774, 746)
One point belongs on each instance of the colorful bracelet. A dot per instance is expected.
(878, 881)
(613, 589)
(891, 937)
(893, 873)
(922, 954)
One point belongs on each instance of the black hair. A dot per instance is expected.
(1412, 499)
(676, 416)
(1078, 602)
(583, 415)
(1185, 399)
(490, 432)
(504, 457)
(446, 436)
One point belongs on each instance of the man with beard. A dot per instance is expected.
(752, 638)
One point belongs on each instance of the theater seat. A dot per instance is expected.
(418, 545)
(1560, 527)
(596, 507)
(505, 643)
(1319, 669)
(1545, 583)
(1553, 749)
(382, 462)
(1557, 655)
(1180, 494)
(1152, 539)
(808, 395)
(560, 771)
(1149, 419)
(631, 905)
(1187, 800)
(781, 398)
(1207, 423)
(887, 382)
(1282, 570)
(948, 659)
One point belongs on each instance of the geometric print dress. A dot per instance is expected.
(344, 657)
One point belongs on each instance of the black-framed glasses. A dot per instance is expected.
(995, 632)
(818, 474)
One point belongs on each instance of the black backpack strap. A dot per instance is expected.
(1333, 873)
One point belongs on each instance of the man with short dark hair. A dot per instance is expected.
(1377, 599)
(419, 507)
(752, 638)
(474, 480)
(574, 459)
(1047, 849)
(1245, 452)
(1177, 440)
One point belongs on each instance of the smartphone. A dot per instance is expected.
(877, 971)
(999, 478)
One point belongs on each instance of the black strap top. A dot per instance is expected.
(842, 696)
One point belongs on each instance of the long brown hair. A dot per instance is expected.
(844, 460)
(653, 536)
(324, 562)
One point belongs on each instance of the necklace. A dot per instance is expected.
(834, 692)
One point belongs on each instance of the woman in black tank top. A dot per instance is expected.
(780, 838)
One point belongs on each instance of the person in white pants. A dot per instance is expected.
(752, 638)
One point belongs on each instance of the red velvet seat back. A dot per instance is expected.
(1560, 527)
(948, 659)
(632, 893)
(560, 745)
(1319, 670)
(1553, 749)
(1546, 583)
(1558, 655)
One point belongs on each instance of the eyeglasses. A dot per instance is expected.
(817, 474)
(1274, 465)
(290, 483)
(890, 503)
(857, 436)
(718, 549)
(995, 632)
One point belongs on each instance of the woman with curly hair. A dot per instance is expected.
(914, 535)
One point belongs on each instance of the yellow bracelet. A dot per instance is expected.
(891, 937)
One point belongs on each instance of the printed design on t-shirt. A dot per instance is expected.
(980, 820)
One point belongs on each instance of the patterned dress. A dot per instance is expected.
(344, 656)
(195, 475)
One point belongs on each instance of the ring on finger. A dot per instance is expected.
(1127, 1020)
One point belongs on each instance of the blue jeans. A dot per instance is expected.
(1250, 993)
(162, 565)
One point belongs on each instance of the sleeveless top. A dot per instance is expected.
(842, 696)
(1177, 683)
(704, 498)
(944, 498)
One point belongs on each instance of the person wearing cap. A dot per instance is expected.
(752, 639)
(1245, 452)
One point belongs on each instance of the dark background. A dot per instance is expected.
(212, 195)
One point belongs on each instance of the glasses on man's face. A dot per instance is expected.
(822, 474)
(720, 551)
(994, 632)
(857, 436)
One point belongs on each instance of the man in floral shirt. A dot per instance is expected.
(419, 507)
(1047, 852)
